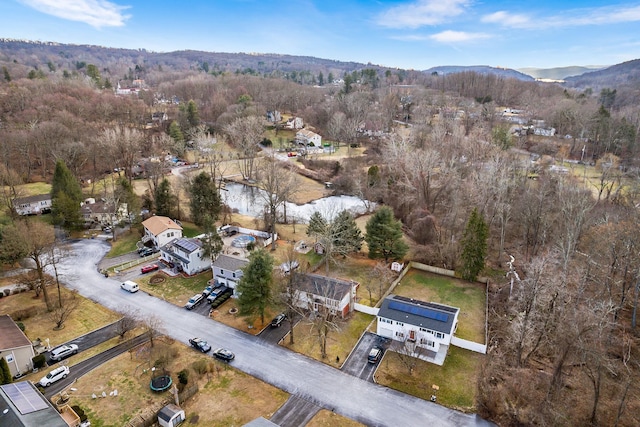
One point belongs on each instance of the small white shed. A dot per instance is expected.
(170, 416)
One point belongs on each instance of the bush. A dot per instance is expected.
(78, 410)
(201, 366)
(24, 314)
(21, 326)
(39, 361)
(183, 376)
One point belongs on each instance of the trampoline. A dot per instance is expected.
(161, 383)
(243, 241)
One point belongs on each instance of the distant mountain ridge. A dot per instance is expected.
(480, 69)
(559, 73)
(619, 75)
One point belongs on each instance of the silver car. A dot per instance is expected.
(63, 351)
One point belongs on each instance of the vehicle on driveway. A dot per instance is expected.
(375, 355)
(200, 344)
(194, 301)
(149, 268)
(53, 376)
(223, 354)
(207, 291)
(277, 321)
(63, 351)
(146, 252)
(216, 292)
(129, 286)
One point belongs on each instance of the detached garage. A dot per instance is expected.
(170, 416)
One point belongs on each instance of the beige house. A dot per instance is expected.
(15, 347)
(160, 230)
(308, 139)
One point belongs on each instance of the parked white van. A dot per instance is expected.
(130, 286)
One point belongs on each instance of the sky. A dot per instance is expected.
(408, 34)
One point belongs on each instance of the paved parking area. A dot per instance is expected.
(357, 363)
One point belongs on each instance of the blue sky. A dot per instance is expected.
(411, 34)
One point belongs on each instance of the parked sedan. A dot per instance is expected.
(149, 268)
(277, 321)
(375, 354)
(200, 344)
(223, 354)
(146, 252)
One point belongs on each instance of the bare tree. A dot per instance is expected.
(152, 328)
(128, 322)
(380, 277)
(123, 144)
(408, 355)
(279, 184)
(321, 298)
(63, 310)
(245, 134)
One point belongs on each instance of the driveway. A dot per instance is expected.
(357, 363)
(308, 379)
(90, 339)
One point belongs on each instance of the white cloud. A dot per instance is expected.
(421, 13)
(607, 15)
(505, 18)
(97, 13)
(457, 36)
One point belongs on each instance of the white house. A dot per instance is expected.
(186, 254)
(314, 292)
(161, 230)
(294, 123)
(227, 270)
(423, 328)
(33, 205)
(308, 139)
(15, 347)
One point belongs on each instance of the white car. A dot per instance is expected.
(63, 351)
(53, 376)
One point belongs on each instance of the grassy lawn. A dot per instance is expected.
(86, 318)
(469, 297)
(339, 343)
(457, 378)
(226, 396)
(325, 418)
(125, 243)
(176, 290)
(189, 229)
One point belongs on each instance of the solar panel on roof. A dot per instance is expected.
(24, 397)
(188, 245)
(419, 311)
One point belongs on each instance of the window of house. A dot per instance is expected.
(399, 334)
(399, 323)
(439, 335)
(423, 330)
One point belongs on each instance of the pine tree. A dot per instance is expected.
(345, 235)
(66, 196)
(164, 199)
(175, 132)
(384, 236)
(317, 225)
(5, 373)
(254, 287)
(474, 246)
(205, 199)
(192, 113)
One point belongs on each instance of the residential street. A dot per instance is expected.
(312, 381)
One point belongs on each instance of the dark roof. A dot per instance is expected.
(11, 335)
(25, 395)
(230, 263)
(324, 286)
(187, 245)
(427, 315)
(260, 422)
(31, 199)
(168, 411)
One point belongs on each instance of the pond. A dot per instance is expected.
(247, 200)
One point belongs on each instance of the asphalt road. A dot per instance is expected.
(307, 379)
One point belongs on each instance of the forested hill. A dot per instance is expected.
(32, 55)
(626, 74)
(480, 69)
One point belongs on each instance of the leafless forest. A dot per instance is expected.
(563, 341)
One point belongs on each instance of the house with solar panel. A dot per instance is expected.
(422, 329)
(186, 255)
(160, 230)
(22, 405)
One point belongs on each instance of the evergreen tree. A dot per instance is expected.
(5, 373)
(346, 237)
(212, 243)
(175, 132)
(125, 194)
(474, 246)
(164, 199)
(330, 77)
(384, 236)
(317, 225)
(254, 288)
(7, 76)
(94, 74)
(192, 113)
(205, 199)
(320, 79)
(66, 196)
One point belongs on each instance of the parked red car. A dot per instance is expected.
(149, 268)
